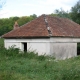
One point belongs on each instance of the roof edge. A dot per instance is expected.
(26, 37)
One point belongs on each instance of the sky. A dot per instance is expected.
(29, 7)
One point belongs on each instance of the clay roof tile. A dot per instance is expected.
(46, 26)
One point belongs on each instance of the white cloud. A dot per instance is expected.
(29, 7)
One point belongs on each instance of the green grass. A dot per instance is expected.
(30, 66)
(1, 41)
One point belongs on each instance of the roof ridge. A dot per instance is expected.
(47, 25)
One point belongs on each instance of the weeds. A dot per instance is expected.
(16, 65)
(15, 52)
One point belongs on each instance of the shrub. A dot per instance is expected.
(15, 52)
(9, 52)
(12, 51)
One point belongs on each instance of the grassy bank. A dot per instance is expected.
(30, 66)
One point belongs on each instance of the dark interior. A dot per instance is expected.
(78, 48)
(25, 46)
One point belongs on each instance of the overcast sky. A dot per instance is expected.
(38, 7)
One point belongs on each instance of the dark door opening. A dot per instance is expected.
(25, 46)
(78, 48)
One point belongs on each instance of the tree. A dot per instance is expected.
(61, 13)
(75, 12)
(33, 16)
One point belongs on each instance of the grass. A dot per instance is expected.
(30, 66)
(1, 42)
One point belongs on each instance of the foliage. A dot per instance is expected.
(33, 16)
(15, 52)
(61, 13)
(75, 12)
(30, 66)
(6, 24)
(1, 42)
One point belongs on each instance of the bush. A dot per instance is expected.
(12, 51)
(32, 55)
(9, 52)
(15, 52)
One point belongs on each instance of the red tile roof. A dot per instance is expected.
(46, 26)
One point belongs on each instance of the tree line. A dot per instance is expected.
(74, 14)
(6, 24)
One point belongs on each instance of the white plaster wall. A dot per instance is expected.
(11, 44)
(41, 46)
(66, 40)
(63, 50)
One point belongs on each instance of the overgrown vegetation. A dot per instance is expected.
(29, 66)
(1, 42)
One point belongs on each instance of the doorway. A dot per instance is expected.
(78, 48)
(25, 47)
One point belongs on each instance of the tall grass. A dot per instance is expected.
(15, 52)
(29, 66)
